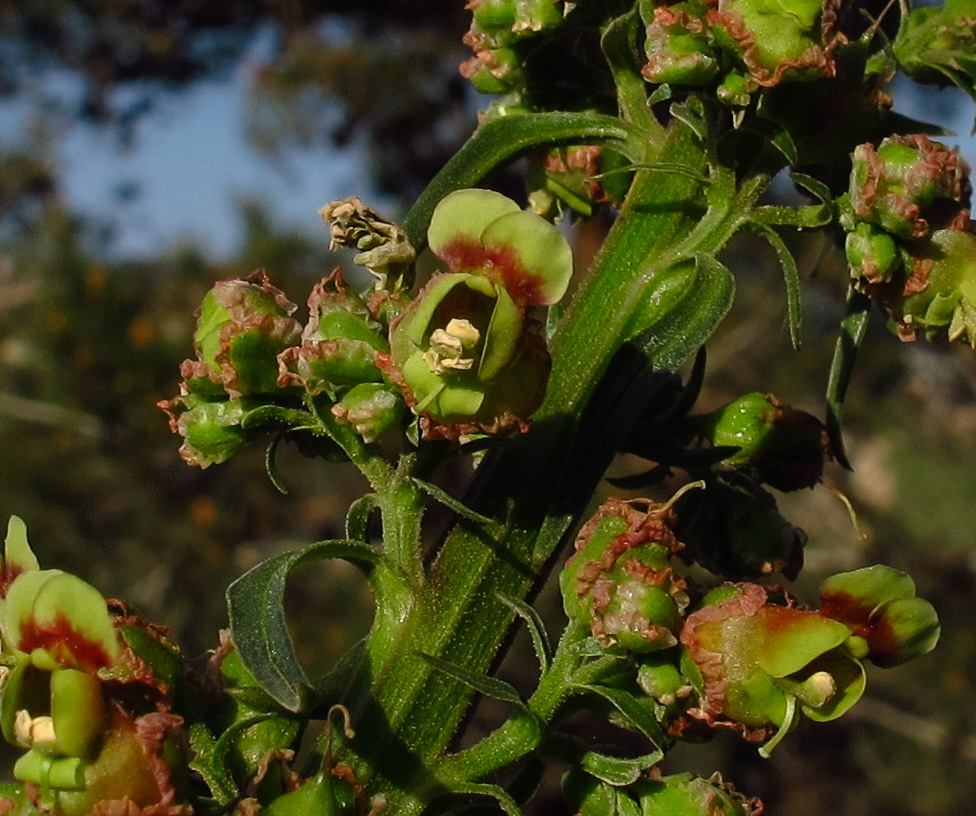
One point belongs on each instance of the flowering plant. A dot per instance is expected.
(480, 339)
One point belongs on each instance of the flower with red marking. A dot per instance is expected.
(761, 663)
(465, 353)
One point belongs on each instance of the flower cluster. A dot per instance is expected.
(500, 31)
(465, 354)
(738, 46)
(910, 243)
(742, 656)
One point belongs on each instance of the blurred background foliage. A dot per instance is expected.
(88, 346)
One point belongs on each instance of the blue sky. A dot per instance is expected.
(191, 165)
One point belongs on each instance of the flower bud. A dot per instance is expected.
(242, 327)
(372, 409)
(339, 345)
(657, 795)
(679, 47)
(784, 447)
(872, 253)
(908, 185)
(620, 580)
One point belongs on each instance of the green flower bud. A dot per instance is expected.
(872, 253)
(778, 41)
(211, 431)
(493, 70)
(761, 663)
(502, 22)
(784, 447)
(372, 409)
(323, 795)
(688, 795)
(909, 185)
(340, 343)
(678, 45)
(620, 580)
(656, 795)
(242, 327)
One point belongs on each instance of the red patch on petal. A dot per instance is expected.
(883, 644)
(65, 643)
(500, 265)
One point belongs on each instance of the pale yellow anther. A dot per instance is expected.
(448, 346)
(22, 728)
(42, 733)
(819, 688)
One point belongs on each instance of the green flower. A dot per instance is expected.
(908, 186)
(939, 298)
(762, 663)
(339, 345)
(89, 711)
(464, 352)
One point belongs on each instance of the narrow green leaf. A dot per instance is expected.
(631, 710)
(216, 774)
(482, 683)
(451, 503)
(271, 466)
(357, 518)
(537, 629)
(691, 118)
(791, 276)
(505, 139)
(467, 791)
(853, 328)
(618, 770)
(660, 94)
(258, 624)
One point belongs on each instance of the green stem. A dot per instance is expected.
(412, 711)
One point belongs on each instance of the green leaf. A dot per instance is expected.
(271, 466)
(537, 629)
(791, 275)
(258, 624)
(467, 791)
(357, 517)
(443, 497)
(686, 327)
(214, 771)
(853, 329)
(632, 711)
(482, 683)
